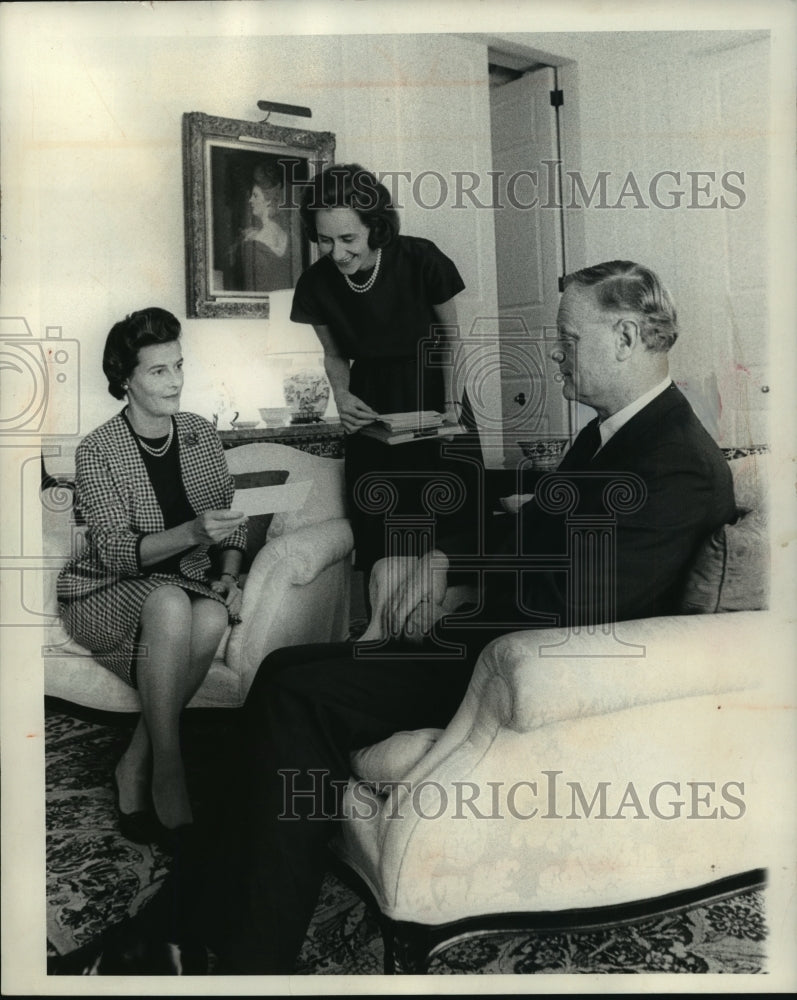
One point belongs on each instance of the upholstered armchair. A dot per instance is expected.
(589, 777)
(296, 589)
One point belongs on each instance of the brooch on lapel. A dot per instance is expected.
(190, 439)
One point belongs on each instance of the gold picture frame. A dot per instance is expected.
(242, 187)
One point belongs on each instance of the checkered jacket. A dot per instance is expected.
(116, 498)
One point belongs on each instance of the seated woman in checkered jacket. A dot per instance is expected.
(152, 593)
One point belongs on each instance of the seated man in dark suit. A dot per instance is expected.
(251, 892)
(672, 485)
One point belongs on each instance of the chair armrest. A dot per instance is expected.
(535, 680)
(610, 723)
(296, 590)
(516, 688)
(302, 555)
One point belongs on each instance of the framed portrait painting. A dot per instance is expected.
(243, 184)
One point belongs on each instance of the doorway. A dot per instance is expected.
(529, 243)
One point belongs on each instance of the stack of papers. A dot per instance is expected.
(398, 428)
(415, 420)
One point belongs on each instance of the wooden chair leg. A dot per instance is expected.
(407, 949)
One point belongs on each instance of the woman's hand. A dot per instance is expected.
(353, 412)
(227, 587)
(213, 526)
(452, 413)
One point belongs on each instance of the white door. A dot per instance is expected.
(528, 258)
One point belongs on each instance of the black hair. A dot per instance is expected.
(348, 185)
(128, 336)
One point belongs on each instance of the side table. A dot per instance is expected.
(323, 438)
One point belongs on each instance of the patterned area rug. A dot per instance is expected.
(95, 877)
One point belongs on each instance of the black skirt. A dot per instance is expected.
(407, 499)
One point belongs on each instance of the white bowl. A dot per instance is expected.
(275, 415)
(545, 453)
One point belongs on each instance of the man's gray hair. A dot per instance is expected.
(623, 285)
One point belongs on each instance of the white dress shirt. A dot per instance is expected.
(611, 425)
(607, 429)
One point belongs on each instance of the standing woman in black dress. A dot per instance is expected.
(372, 297)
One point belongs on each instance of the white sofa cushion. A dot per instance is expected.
(732, 567)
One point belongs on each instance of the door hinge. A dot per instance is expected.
(561, 284)
(557, 98)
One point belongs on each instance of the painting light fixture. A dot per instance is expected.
(284, 109)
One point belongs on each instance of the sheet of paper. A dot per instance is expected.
(271, 499)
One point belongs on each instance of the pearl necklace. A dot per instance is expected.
(161, 450)
(368, 284)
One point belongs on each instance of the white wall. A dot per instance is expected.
(92, 176)
(645, 102)
(92, 166)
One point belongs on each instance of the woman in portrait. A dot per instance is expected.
(372, 297)
(152, 592)
(261, 256)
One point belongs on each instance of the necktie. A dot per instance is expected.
(584, 447)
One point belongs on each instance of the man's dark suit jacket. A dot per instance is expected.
(687, 493)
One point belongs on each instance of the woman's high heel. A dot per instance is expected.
(136, 826)
(171, 839)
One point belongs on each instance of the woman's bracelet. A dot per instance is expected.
(457, 401)
(232, 576)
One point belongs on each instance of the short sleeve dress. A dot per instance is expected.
(380, 331)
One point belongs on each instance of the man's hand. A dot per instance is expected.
(424, 584)
(407, 596)
(421, 621)
(353, 412)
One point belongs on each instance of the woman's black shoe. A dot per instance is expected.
(166, 937)
(125, 951)
(82, 961)
(171, 839)
(136, 826)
